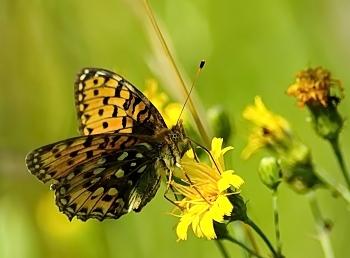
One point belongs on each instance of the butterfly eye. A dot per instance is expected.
(175, 137)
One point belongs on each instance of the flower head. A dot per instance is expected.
(313, 86)
(205, 189)
(313, 89)
(271, 131)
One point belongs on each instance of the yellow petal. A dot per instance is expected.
(216, 213)
(228, 179)
(225, 205)
(206, 225)
(182, 227)
(196, 227)
(216, 145)
(224, 150)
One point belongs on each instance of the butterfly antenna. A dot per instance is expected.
(201, 65)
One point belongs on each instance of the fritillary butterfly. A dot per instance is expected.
(116, 165)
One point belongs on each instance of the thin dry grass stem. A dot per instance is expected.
(193, 110)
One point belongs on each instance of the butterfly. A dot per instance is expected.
(117, 163)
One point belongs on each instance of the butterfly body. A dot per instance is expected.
(116, 165)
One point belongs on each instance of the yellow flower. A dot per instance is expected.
(170, 112)
(272, 131)
(205, 190)
(159, 100)
(313, 86)
(54, 223)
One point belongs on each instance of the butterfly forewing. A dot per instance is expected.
(116, 165)
(57, 160)
(106, 102)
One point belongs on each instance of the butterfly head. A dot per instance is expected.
(178, 136)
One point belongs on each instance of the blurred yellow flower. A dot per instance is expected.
(53, 222)
(313, 86)
(170, 112)
(271, 131)
(205, 190)
(159, 100)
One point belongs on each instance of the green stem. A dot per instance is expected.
(222, 248)
(323, 235)
(251, 252)
(339, 155)
(334, 186)
(262, 235)
(276, 219)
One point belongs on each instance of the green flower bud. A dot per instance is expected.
(326, 120)
(220, 230)
(240, 209)
(300, 177)
(270, 172)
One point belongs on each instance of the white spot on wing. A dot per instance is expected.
(118, 78)
(149, 147)
(98, 171)
(70, 209)
(63, 201)
(141, 169)
(62, 190)
(123, 156)
(70, 176)
(119, 173)
(101, 161)
(100, 73)
(95, 180)
(112, 191)
(139, 155)
(98, 191)
(82, 77)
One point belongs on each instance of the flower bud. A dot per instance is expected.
(327, 121)
(270, 172)
(240, 209)
(314, 88)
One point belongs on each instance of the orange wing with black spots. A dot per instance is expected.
(106, 102)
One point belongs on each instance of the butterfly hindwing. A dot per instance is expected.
(109, 186)
(106, 102)
(103, 184)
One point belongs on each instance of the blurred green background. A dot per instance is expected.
(251, 48)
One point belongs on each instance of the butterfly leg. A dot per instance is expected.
(194, 153)
(170, 187)
(190, 181)
(206, 150)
